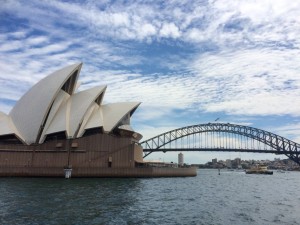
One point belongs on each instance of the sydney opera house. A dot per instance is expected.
(54, 128)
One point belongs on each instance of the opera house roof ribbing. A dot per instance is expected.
(53, 106)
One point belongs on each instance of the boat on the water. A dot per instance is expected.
(259, 169)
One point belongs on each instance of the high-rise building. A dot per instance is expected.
(180, 159)
(228, 163)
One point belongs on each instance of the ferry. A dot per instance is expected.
(259, 169)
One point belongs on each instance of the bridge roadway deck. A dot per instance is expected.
(218, 150)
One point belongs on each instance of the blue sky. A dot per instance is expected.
(188, 62)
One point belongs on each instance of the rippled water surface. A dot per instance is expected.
(209, 198)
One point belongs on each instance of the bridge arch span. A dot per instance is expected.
(277, 144)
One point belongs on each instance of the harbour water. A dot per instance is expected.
(229, 198)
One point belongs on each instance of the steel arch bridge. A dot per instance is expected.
(224, 137)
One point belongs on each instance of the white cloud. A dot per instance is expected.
(250, 67)
(251, 82)
(38, 40)
(290, 131)
(169, 30)
(148, 30)
(219, 22)
(196, 35)
(11, 46)
(259, 104)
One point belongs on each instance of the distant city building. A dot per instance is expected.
(180, 159)
(214, 161)
(238, 161)
(228, 163)
(281, 164)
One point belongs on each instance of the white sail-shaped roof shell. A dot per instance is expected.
(81, 102)
(52, 107)
(57, 117)
(7, 126)
(109, 115)
(71, 115)
(92, 119)
(113, 113)
(30, 113)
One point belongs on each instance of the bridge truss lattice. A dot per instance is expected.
(222, 137)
